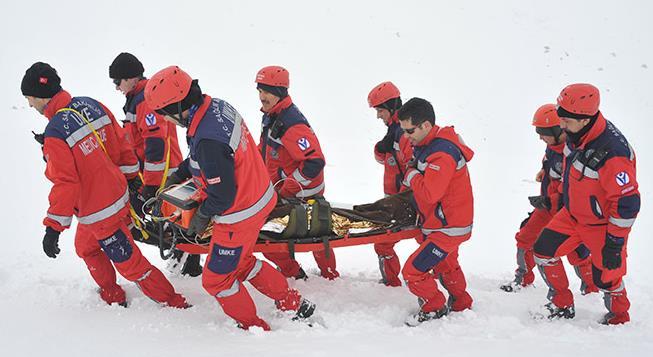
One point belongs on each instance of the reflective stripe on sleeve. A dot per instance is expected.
(154, 167)
(64, 221)
(308, 192)
(129, 169)
(242, 215)
(130, 117)
(301, 179)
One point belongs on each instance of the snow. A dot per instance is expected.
(486, 67)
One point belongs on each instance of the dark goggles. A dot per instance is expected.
(117, 81)
(554, 131)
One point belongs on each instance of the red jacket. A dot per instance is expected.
(151, 137)
(226, 167)
(292, 152)
(551, 180)
(441, 184)
(88, 182)
(394, 163)
(599, 182)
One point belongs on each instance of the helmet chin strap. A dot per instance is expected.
(180, 119)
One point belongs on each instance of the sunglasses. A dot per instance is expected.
(117, 81)
(411, 131)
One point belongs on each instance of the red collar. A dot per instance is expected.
(199, 114)
(596, 130)
(283, 104)
(139, 87)
(57, 102)
(557, 148)
(433, 133)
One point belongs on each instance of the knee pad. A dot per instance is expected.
(548, 242)
(429, 257)
(224, 260)
(117, 247)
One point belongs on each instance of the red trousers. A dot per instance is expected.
(100, 252)
(562, 236)
(526, 237)
(437, 258)
(389, 264)
(230, 263)
(290, 267)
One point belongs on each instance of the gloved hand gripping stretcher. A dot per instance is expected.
(294, 226)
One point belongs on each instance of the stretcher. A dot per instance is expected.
(295, 226)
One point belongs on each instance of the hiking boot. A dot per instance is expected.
(552, 312)
(305, 310)
(423, 316)
(301, 275)
(114, 296)
(612, 318)
(511, 287)
(192, 267)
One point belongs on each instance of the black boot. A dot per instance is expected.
(192, 267)
(422, 316)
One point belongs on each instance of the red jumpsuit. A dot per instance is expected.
(90, 184)
(152, 137)
(445, 204)
(227, 168)
(538, 219)
(295, 163)
(394, 165)
(601, 202)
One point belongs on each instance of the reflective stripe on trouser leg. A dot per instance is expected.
(270, 282)
(616, 301)
(553, 273)
(238, 304)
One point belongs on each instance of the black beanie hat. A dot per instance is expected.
(280, 92)
(126, 66)
(40, 81)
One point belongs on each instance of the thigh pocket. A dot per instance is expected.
(429, 257)
(224, 260)
(117, 247)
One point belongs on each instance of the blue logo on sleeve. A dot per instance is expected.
(150, 119)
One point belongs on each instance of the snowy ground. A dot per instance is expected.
(486, 67)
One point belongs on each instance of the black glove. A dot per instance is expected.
(386, 145)
(541, 202)
(612, 252)
(173, 179)
(134, 184)
(51, 242)
(149, 191)
(198, 223)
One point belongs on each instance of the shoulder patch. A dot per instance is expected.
(303, 144)
(150, 119)
(622, 178)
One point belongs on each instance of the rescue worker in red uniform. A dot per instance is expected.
(88, 160)
(153, 139)
(293, 158)
(393, 152)
(237, 196)
(445, 205)
(601, 201)
(547, 126)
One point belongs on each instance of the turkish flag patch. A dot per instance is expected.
(214, 180)
(43, 80)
